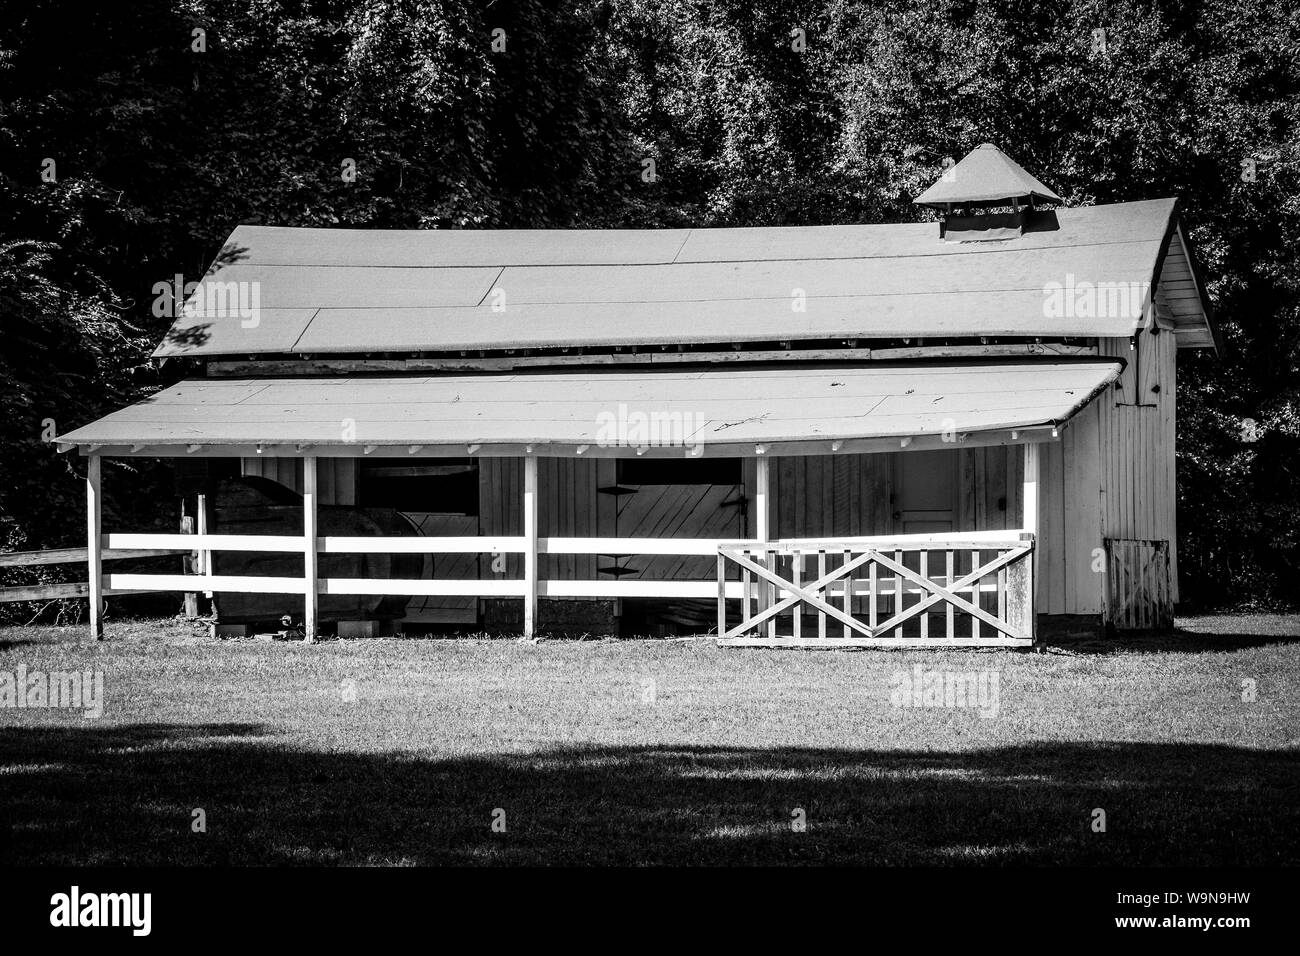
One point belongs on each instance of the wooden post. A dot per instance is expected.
(190, 565)
(310, 531)
(94, 557)
(722, 594)
(201, 523)
(763, 532)
(530, 546)
(1029, 498)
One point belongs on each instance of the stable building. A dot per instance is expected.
(943, 433)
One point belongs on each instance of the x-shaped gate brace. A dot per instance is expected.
(808, 593)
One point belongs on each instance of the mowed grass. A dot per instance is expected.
(652, 752)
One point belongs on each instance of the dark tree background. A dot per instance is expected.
(163, 140)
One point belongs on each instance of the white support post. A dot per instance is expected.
(530, 545)
(94, 555)
(201, 522)
(762, 515)
(1029, 496)
(310, 530)
(763, 531)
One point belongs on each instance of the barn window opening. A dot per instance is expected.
(446, 486)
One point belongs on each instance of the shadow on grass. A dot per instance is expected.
(1178, 640)
(106, 795)
(9, 643)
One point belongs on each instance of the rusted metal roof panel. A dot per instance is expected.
(714, 407)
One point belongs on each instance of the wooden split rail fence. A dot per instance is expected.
(58, 556)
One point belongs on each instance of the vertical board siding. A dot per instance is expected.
(1137, 441)
(336, 477)
(1139, 584)
(832, 495)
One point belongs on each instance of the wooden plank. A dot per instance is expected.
(963, 539)
(54, 592)
(747, 592)
(175, 543)
(529, 511)
(206, 582)
(1021, 612)
(839, 643)
(23, 559)
(455, 544)
(94, 536)
(796, 578)
(1029, 503)
(848, 593)
(925, 573)
(401, 587)
(762, 504)
(898, 593)
(763, 513)
(821, 616)
(979, 351)
(310, 533)
(627, 588)
(788, 519)
(638, 545)
(722, 594)
(189, 565)
(950, 568)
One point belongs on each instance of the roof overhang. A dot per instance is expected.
(731, 412)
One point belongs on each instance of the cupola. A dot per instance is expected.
(986, 196)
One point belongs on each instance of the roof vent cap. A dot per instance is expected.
(983, 196)
(986, 176)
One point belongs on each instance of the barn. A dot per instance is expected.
(951, 432)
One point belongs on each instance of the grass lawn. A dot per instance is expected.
(652, 752)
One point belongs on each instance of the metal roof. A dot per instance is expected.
(985, 175)
(337, 291)
(717, 410)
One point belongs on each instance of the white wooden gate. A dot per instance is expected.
(916, 590)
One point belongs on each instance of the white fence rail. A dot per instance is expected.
(472, 587)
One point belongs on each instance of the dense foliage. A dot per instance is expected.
(768, 112)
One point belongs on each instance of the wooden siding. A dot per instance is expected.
(832, 495)
(1139, 584)
(1071, 573)
(1182, 296)
(1138, 433)
(336, 477)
